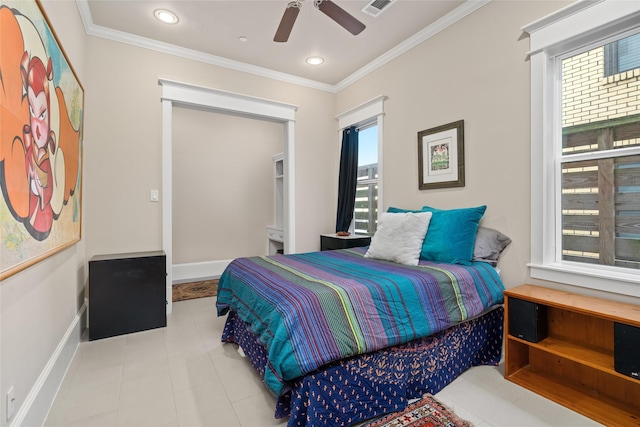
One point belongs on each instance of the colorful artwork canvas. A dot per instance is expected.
(439, 156)
(41, 118)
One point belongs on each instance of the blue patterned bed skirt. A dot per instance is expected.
(366, 386)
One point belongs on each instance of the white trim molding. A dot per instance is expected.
(431, 30)
(34, 410)
(215, 99)
(196, 271)
(131, 39)
(185, 94)
(465, 9)
(583, 20)
(361, 113)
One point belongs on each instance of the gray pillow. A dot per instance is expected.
(489, 245)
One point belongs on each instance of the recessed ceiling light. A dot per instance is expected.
(243, 38)
(315, 60)
(165, 16)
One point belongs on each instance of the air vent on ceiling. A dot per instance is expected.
(376, 7)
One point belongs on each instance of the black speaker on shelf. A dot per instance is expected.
(527, 320)
(626, 349)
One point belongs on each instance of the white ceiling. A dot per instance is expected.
(209, 30)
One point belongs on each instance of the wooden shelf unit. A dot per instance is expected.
(574, 364)
(275, 233)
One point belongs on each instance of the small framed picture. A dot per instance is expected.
(441, 156)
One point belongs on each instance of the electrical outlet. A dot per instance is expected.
(11, 403)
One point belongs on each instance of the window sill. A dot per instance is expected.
(625, 75)
(608, 279)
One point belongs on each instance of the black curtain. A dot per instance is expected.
(348, 178)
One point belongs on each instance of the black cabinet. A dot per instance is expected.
(333, 241)
(127, 293)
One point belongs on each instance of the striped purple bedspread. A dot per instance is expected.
(314, 308)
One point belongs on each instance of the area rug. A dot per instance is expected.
(185, 291)
(426, 412)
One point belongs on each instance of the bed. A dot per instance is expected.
(343, 336)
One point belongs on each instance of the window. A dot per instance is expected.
(368, 118)
(600, 183)
(585, 146)
(622, 55)
(365, 214)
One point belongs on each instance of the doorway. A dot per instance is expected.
(199, 97)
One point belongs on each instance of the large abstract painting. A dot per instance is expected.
(41, 116)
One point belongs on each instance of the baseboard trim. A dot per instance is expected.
(37, 404)
(195, 271)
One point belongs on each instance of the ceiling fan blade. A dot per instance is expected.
(340, 15)
(287, 21)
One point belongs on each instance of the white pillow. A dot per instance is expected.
(399, 237)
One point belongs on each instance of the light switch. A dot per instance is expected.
(155, 195)
(11, 403)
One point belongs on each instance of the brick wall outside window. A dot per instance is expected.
(589, 96)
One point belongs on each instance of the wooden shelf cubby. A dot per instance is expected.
(574, 364)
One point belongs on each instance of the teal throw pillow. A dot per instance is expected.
(452, 235)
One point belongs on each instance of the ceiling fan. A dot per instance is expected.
(329, 8)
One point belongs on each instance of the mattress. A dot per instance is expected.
(309, 310)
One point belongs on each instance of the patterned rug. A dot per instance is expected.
(426, 412)
(185, 291)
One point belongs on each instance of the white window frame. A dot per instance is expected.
(366, 114)
(368, 181)
(570, 29)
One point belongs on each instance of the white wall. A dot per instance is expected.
(476, 72)
(223, 184)
(39, 304)
(124, 158)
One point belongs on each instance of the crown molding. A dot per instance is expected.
(558, 15)
(441, 24)
(170, 49)
(426, 33)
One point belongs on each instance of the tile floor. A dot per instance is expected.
(183, 376)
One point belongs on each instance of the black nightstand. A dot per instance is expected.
(332, 241)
